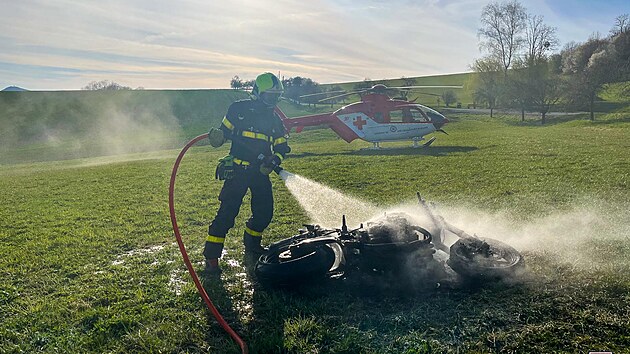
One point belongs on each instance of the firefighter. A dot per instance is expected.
(259, 144)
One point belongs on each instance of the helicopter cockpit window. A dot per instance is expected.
(433, 115)
(408, 115)
(378, 117)
(419, 116)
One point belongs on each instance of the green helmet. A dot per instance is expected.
(268, 88)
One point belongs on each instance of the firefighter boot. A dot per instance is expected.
(212, 267)
(252, 240)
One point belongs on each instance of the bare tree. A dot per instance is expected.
(539, 37)
(104, 85)
(528, 84)
(622, 25)
(502, 26)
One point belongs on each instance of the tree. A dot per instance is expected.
(547, 88)
(590, 65)
(104, 85)
(295, 87)
(621, 43)
(502, 25)
(517, 89)
(236, 82)
(539, 37)
(408, 81)
(449, 97)
(622, 25)
(489, 80)
(527, 85)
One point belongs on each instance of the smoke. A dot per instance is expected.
(120, 131)
(47, 126)
(591, 234)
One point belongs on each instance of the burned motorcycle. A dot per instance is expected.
(383, 245)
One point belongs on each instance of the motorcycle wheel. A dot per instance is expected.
(484, 258)
(279, 267)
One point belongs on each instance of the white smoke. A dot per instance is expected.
(118, 131)
(590, 234)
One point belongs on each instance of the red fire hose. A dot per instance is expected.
(182, 249)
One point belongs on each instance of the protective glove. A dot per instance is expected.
(215, 135)
(268, 163)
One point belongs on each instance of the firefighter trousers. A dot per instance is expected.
(231, 198)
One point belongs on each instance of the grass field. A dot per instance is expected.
(89, 262)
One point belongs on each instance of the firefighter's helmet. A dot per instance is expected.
(268, 89)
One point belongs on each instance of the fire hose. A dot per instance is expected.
(182, 249)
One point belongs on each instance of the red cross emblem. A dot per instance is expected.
(359, 123)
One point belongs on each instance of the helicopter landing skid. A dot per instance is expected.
(376, 145)
(416, 145)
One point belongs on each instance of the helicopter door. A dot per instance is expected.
(397, 116)
(378, 117)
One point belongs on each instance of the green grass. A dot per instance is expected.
(89, 262)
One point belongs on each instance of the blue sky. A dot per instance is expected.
(64, 44)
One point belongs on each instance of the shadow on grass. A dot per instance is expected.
(380, 308)
(402, 151)
(547, 306)
(220, 297)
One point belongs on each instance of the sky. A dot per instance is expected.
(158, 44)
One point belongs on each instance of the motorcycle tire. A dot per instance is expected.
(484, 258)
(277, 267)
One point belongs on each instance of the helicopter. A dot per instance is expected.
(376, 118)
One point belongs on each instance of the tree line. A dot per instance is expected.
(294, 88)
(106, 85)
(521, 69)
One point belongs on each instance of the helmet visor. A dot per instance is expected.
(271, 97)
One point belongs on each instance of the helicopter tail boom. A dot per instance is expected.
(326, 119)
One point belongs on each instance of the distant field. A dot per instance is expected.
(48, 126)
(89, 262)
(464, 95)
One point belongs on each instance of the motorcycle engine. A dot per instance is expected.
(394, 227)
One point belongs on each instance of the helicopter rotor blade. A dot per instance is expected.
(322, 93)
(427, 94)
(343, 95)
(426, 86)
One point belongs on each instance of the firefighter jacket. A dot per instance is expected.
(254, 129)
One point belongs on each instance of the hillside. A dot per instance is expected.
(50, 125)
(13, 89)
(40, 126)
(464, 95)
